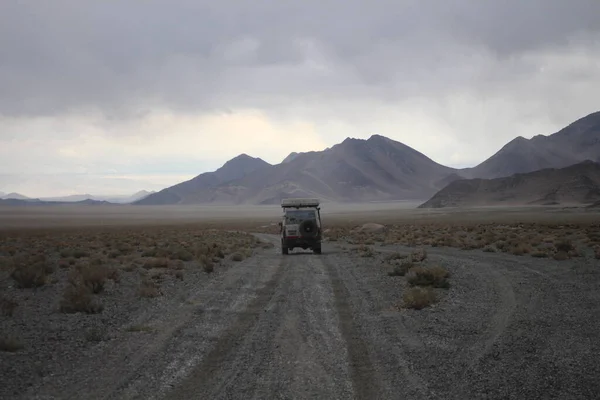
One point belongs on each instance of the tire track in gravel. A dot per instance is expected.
(375, 338)
(129, 368)
(364, 380)
(505, 298)
(294, 349)
(205, 376)
(221, 310)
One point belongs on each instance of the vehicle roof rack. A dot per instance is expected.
(299, 202)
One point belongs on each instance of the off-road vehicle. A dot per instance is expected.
(301, 225)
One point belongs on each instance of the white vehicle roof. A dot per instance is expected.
(300, 202)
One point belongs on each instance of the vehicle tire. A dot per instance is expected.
(284, 250)
(317, 250)
(308, 228)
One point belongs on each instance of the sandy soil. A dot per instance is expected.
(323, 326)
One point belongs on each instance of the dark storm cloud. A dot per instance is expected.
(125, 57)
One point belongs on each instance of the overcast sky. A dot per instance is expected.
(111, 97)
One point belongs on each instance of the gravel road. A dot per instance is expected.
(327, 326)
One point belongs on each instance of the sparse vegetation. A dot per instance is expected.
(400, 269)
(7, 306)
(10, 344)
(149, 289)
(546, 238)
(30, 273)
(436, 277)
(419, 297)
(78, 298)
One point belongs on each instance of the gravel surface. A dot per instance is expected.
(332, 326)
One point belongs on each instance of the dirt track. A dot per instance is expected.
(325, 326)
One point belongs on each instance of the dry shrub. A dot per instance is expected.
(418, 255)
(149, 289)
(78, 298)
(8, 306)
(178, 274)
(597, 253)
(539, 254)
(237, 256)
(93, 277)
(30, 275)
(208, 266)
(364, 251)
(564, 245)
(489, 249)
(519, 249)
(395, 256)
(400, 269)
(561, 256)
(419, 297)
(436, 277)
(156, 262)
(10, 344)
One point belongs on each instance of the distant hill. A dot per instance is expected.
(578, 184)
(38, 202)
(576, 142)
(16, 196)
(186, 192)
(355, 170)
(123, 199)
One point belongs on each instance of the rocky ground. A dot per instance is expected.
(376, 320)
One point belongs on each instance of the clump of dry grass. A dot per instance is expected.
(7, 306)
(561, 256)
(400, 269)
(156, 262)
(395, 256)
(77, 297)
(149, 289)
(31, 272)
(237, 257)
(418, 255)
(436, 277)
(519, 249)
(11, 344)
(364, 250)
(539, 254)
(419, 298)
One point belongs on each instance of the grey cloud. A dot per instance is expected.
(126, 57)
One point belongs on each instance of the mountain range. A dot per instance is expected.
(375, 169)
(18, 199)
(576, 184)
(355, 170)
(380, 169)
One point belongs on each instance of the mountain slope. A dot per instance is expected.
(14, 196)
(290, 157)
(121, 199)
(575, 185)
(575, 143)
(39, 202)
(235, 168)
(355, 170)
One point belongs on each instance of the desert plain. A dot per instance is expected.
(197, 302)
